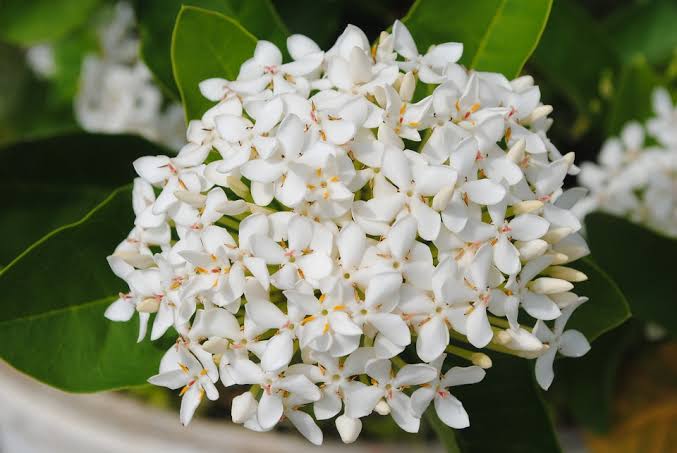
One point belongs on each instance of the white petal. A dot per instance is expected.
(392, 327)
(527, 227)
(450, 410)
(433, 338)
(484, 191)
(506, 256)
(189, 402)
(401, 236)
(479, 329)
(279, 351)
(306, 426)
(270, 410)
(544, 371)
(573, 344)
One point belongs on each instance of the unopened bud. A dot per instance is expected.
(569, 158)
(382, 408)
(237, 186)
(407, 87)
(538, 113)
(215, 345)
(564, 299)
(196, 200)
(522, 83)
(348, 428)
(148, 305)
(519, 340)
(441, 199)
(525, 207)
(558, 258)
(557, 234)
(481, 360)
(243, 407)
(137, 259)
(566, 273)
(548, 285)
(516, 151)
(531, 249)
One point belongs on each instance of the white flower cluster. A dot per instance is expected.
(117, 93)
(322, 225)
(633, 178)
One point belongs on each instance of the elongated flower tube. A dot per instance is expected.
(323, 226)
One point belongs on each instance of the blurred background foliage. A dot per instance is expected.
(597, 63)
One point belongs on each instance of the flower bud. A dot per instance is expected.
(558, 258)
(524, 207)
(522, 83)
(516, 151)
(243, 407)
(557, 234)
(564, 299)
(148, 305)
(441, 199)
(481, 360)
(195, 200)
(382, 408)
(407, 86)
(215, 345)
(538, 113)
(236, 185)
(531, 249)
(349, 428)
(519, 340)
(566, 273)
(548, 285)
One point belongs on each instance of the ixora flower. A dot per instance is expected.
(634, 179)
(323, 223)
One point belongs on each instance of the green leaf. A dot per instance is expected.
(641, 262)
(21, 92)
(55, 181)
(573, 58)
(54, 296)
(507, 413)
(646, 28)
(31, 22)
(607, 307)
(585, 385)
(156, 22)
(632, 99)
(206, 44)
(497, 35)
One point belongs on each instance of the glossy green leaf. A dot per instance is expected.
(55, 181)
(572, 58)
(31, 22)
(607, 307)
(641, 262)
(206, 44)
(497, 35)
(632, 97)
(646, 28)
(585, 385)
(54, 296)
(156, 22)
(507, 413)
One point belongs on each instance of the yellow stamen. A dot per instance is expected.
(307, 319)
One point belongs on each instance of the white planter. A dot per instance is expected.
(35, 418)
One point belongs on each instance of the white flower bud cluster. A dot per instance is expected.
(117, 93)
(325, 222)
(636, 173)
